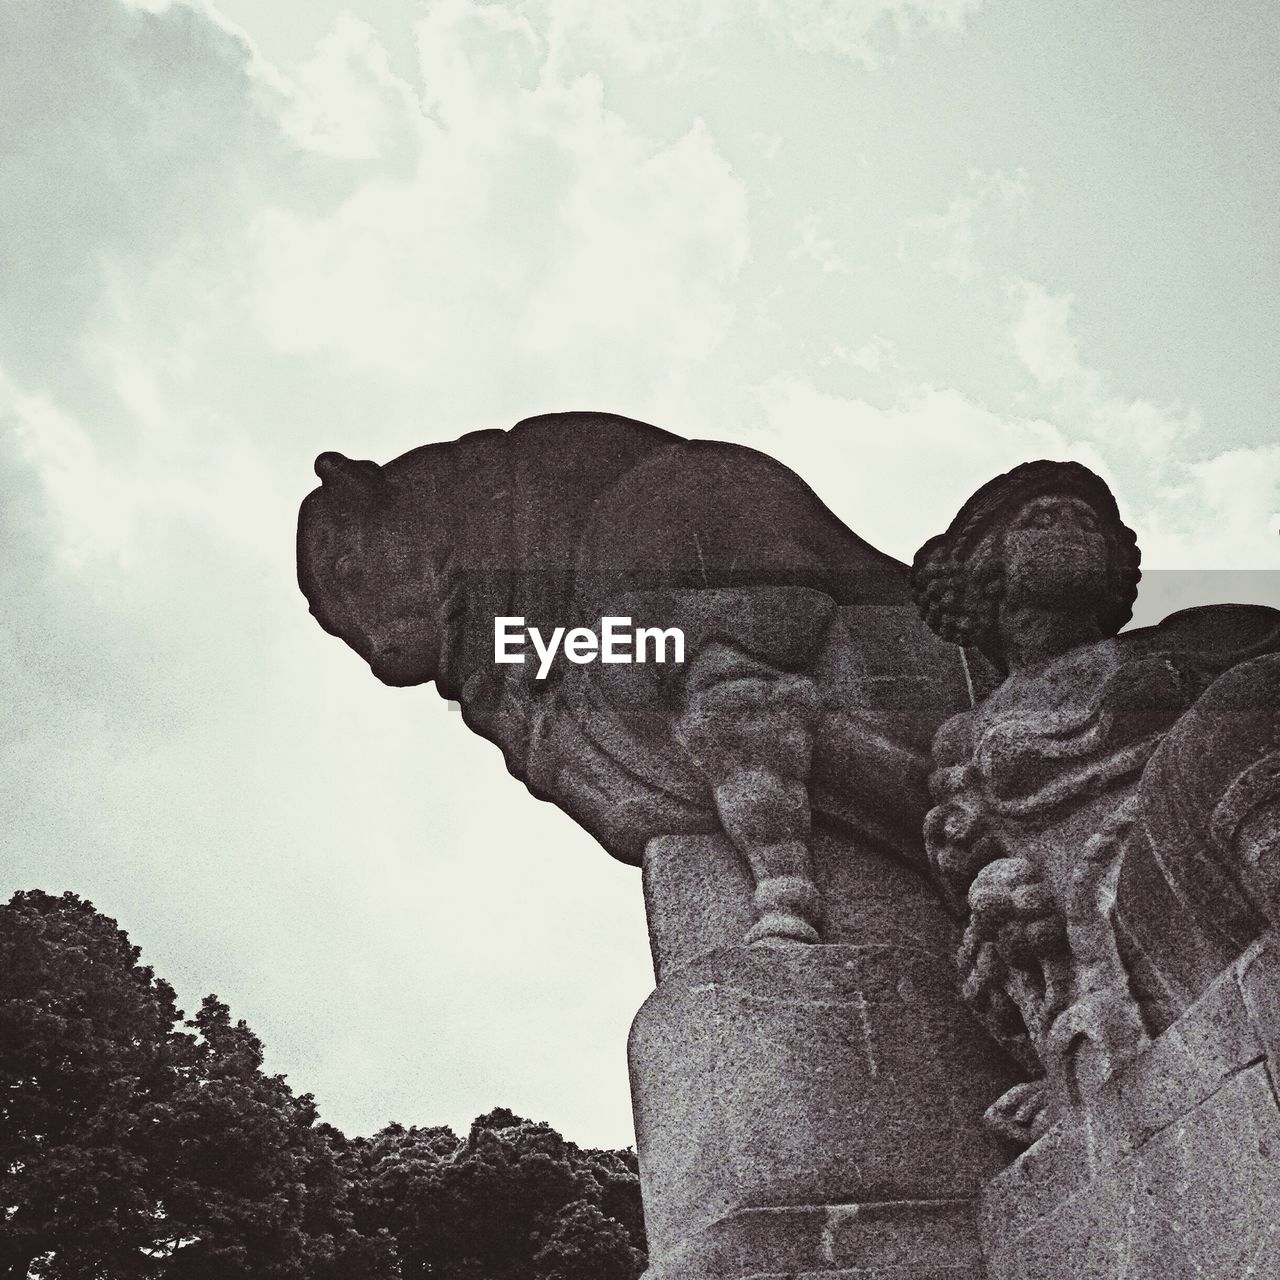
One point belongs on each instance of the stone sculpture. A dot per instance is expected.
(808, 1086)
(784, 703)
(859, 775)
(1108, 818)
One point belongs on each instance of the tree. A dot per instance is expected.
(131, 1147)
(512, 1201)
(87, 1047)
(136, 1146)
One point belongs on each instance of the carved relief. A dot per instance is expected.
(1095, 750)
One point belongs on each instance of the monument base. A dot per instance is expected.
(892, 1240)
(1175, 1175)
(812, 1110)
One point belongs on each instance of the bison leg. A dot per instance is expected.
(749, 728)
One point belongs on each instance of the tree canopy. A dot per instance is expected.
(134, 1143)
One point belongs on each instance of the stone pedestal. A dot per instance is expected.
(890, 1240)
(809, 1110)
(1175, 1173)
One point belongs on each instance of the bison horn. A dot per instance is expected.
(350, 478)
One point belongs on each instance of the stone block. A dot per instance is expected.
(1040, 1179)
(1200, 1199)
(698, 899)
(1187, 1064)
(777, 1077)
(1257, 973)
(917, 1239)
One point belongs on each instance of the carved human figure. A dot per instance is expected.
(1084, 805)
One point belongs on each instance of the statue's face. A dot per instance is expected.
(367, 582)
(1055, 554)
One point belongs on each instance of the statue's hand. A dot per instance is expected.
(1021, 1115)
(1013, 908)
(958, 839)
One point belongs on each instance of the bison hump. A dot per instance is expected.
(704, 513)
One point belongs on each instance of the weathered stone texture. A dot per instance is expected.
(769, 1080)
(772, 1077)
(810, 688)
(892, 1240)
(1176, 1171)
(825, 785)
(698, 898)
(1107, 817)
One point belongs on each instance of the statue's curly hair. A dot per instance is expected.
(957, 577)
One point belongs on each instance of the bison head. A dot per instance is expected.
(365, 565)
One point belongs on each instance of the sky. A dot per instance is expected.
(901, 245)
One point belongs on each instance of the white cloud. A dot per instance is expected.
(1190, 514)
(476, 60)
(876, 355)
(935, 446)
(94, 514)
(659, 37)
(1048, 349)
(948, 242)
(1042, 339)
(873, 355)
(932, 447)
(1221, 514)
(815, 247)
(655, 239)
(682, 38)
(120, 509)
(252, 267)
(534, 226)
(345, 101)
(857, 29)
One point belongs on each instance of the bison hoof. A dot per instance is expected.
(787, 908)
(780, 927)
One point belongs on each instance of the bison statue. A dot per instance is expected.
(809, 690)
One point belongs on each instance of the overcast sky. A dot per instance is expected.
(900, 244)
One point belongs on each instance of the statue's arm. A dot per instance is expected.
(957, 837)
